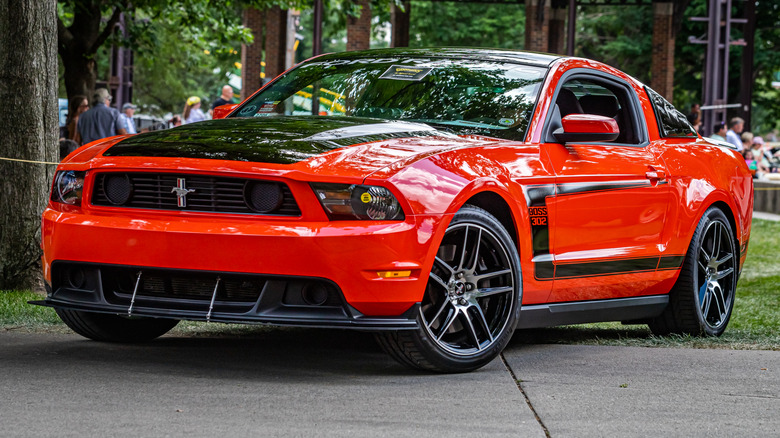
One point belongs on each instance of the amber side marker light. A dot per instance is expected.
(394, 274)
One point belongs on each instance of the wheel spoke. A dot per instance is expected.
(444, 265)
(451, 317)
(438, 313)
(478, 278)
(476, 249)
(702, 267)
(438, 280)
(472, 331)
(725, 259)
(707, 301)
(488, 291)
(463, 249)
(715, 240)
(723, 273)
(720, 303)
(483, 321)
(702, 295)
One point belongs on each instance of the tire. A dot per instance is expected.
(701, 301)
(471, 303)
(115, 328)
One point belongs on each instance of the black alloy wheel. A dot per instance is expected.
(471, 302)
(702, 299)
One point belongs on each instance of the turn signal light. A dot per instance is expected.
(394, 274)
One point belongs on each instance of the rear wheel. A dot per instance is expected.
(471, 302)
(701, 301)
(115, 328)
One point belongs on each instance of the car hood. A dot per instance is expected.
(279, 140)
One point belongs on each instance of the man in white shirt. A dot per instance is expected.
(736, 125)
(126, 118)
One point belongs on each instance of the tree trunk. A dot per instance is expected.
(79, 73)
(28, 87)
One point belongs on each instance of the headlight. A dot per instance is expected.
(345, 202)
(67, 187)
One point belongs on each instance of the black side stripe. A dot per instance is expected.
(548, 270)
(575, 188)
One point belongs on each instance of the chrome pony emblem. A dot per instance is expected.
(181, 191)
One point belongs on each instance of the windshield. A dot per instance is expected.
(464, 96)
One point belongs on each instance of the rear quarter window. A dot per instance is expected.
(671, 123)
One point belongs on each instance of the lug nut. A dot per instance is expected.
(462, 302)
(469, 286)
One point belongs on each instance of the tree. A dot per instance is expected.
(84, 26)
(28, 85)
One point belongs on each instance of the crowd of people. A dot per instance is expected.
(761, 155)
(86, 123)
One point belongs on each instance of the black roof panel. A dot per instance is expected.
(532, 58)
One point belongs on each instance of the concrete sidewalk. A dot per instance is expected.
(336, 383)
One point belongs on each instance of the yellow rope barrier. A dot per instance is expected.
(27, 161)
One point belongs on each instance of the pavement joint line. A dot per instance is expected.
(527, 400)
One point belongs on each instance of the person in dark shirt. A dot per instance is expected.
(100, 121)
(225, 99)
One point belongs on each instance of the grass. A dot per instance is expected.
(755, 322)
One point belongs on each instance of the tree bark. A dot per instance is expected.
(28, 87)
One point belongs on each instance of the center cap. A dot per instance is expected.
(460, 287)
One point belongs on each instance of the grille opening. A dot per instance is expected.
(210, 193)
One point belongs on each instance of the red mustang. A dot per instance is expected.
(441, 198)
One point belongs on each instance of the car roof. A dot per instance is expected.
(531, 58)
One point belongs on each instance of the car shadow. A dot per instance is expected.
(306, 354)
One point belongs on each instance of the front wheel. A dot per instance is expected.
(115, 328)
(702, 299)
(471, 302)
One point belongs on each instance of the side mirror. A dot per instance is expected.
(579, 128)
(222, 111)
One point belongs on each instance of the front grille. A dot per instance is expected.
(186, 286)
(205, 193)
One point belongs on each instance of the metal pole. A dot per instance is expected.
(572, 27)
(317, 37)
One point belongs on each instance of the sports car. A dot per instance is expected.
(441, 198)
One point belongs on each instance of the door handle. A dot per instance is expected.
(656, 174)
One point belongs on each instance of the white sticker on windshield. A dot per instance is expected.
(404, 73)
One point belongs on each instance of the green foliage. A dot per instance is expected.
(618, 36)
(438, 24)
(178, 55)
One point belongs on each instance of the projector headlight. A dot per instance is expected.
(67, 187)
(349, 202)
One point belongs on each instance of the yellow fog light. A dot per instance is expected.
(394, 274)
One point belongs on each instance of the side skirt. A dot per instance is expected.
(619, 309)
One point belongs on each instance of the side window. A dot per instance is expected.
(671, 123)
(586, 95)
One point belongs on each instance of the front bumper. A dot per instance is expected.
(210, 296)
(348, 254)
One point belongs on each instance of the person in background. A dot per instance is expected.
(763, 154)
(694, 120)
(66, 147)
(719, 133)
(736, 125)
(694, 117)
(100, 121)
(175, 121)
(224, 99)
(77, 106)
(126, 118)
(192, 112)
(747, 140)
